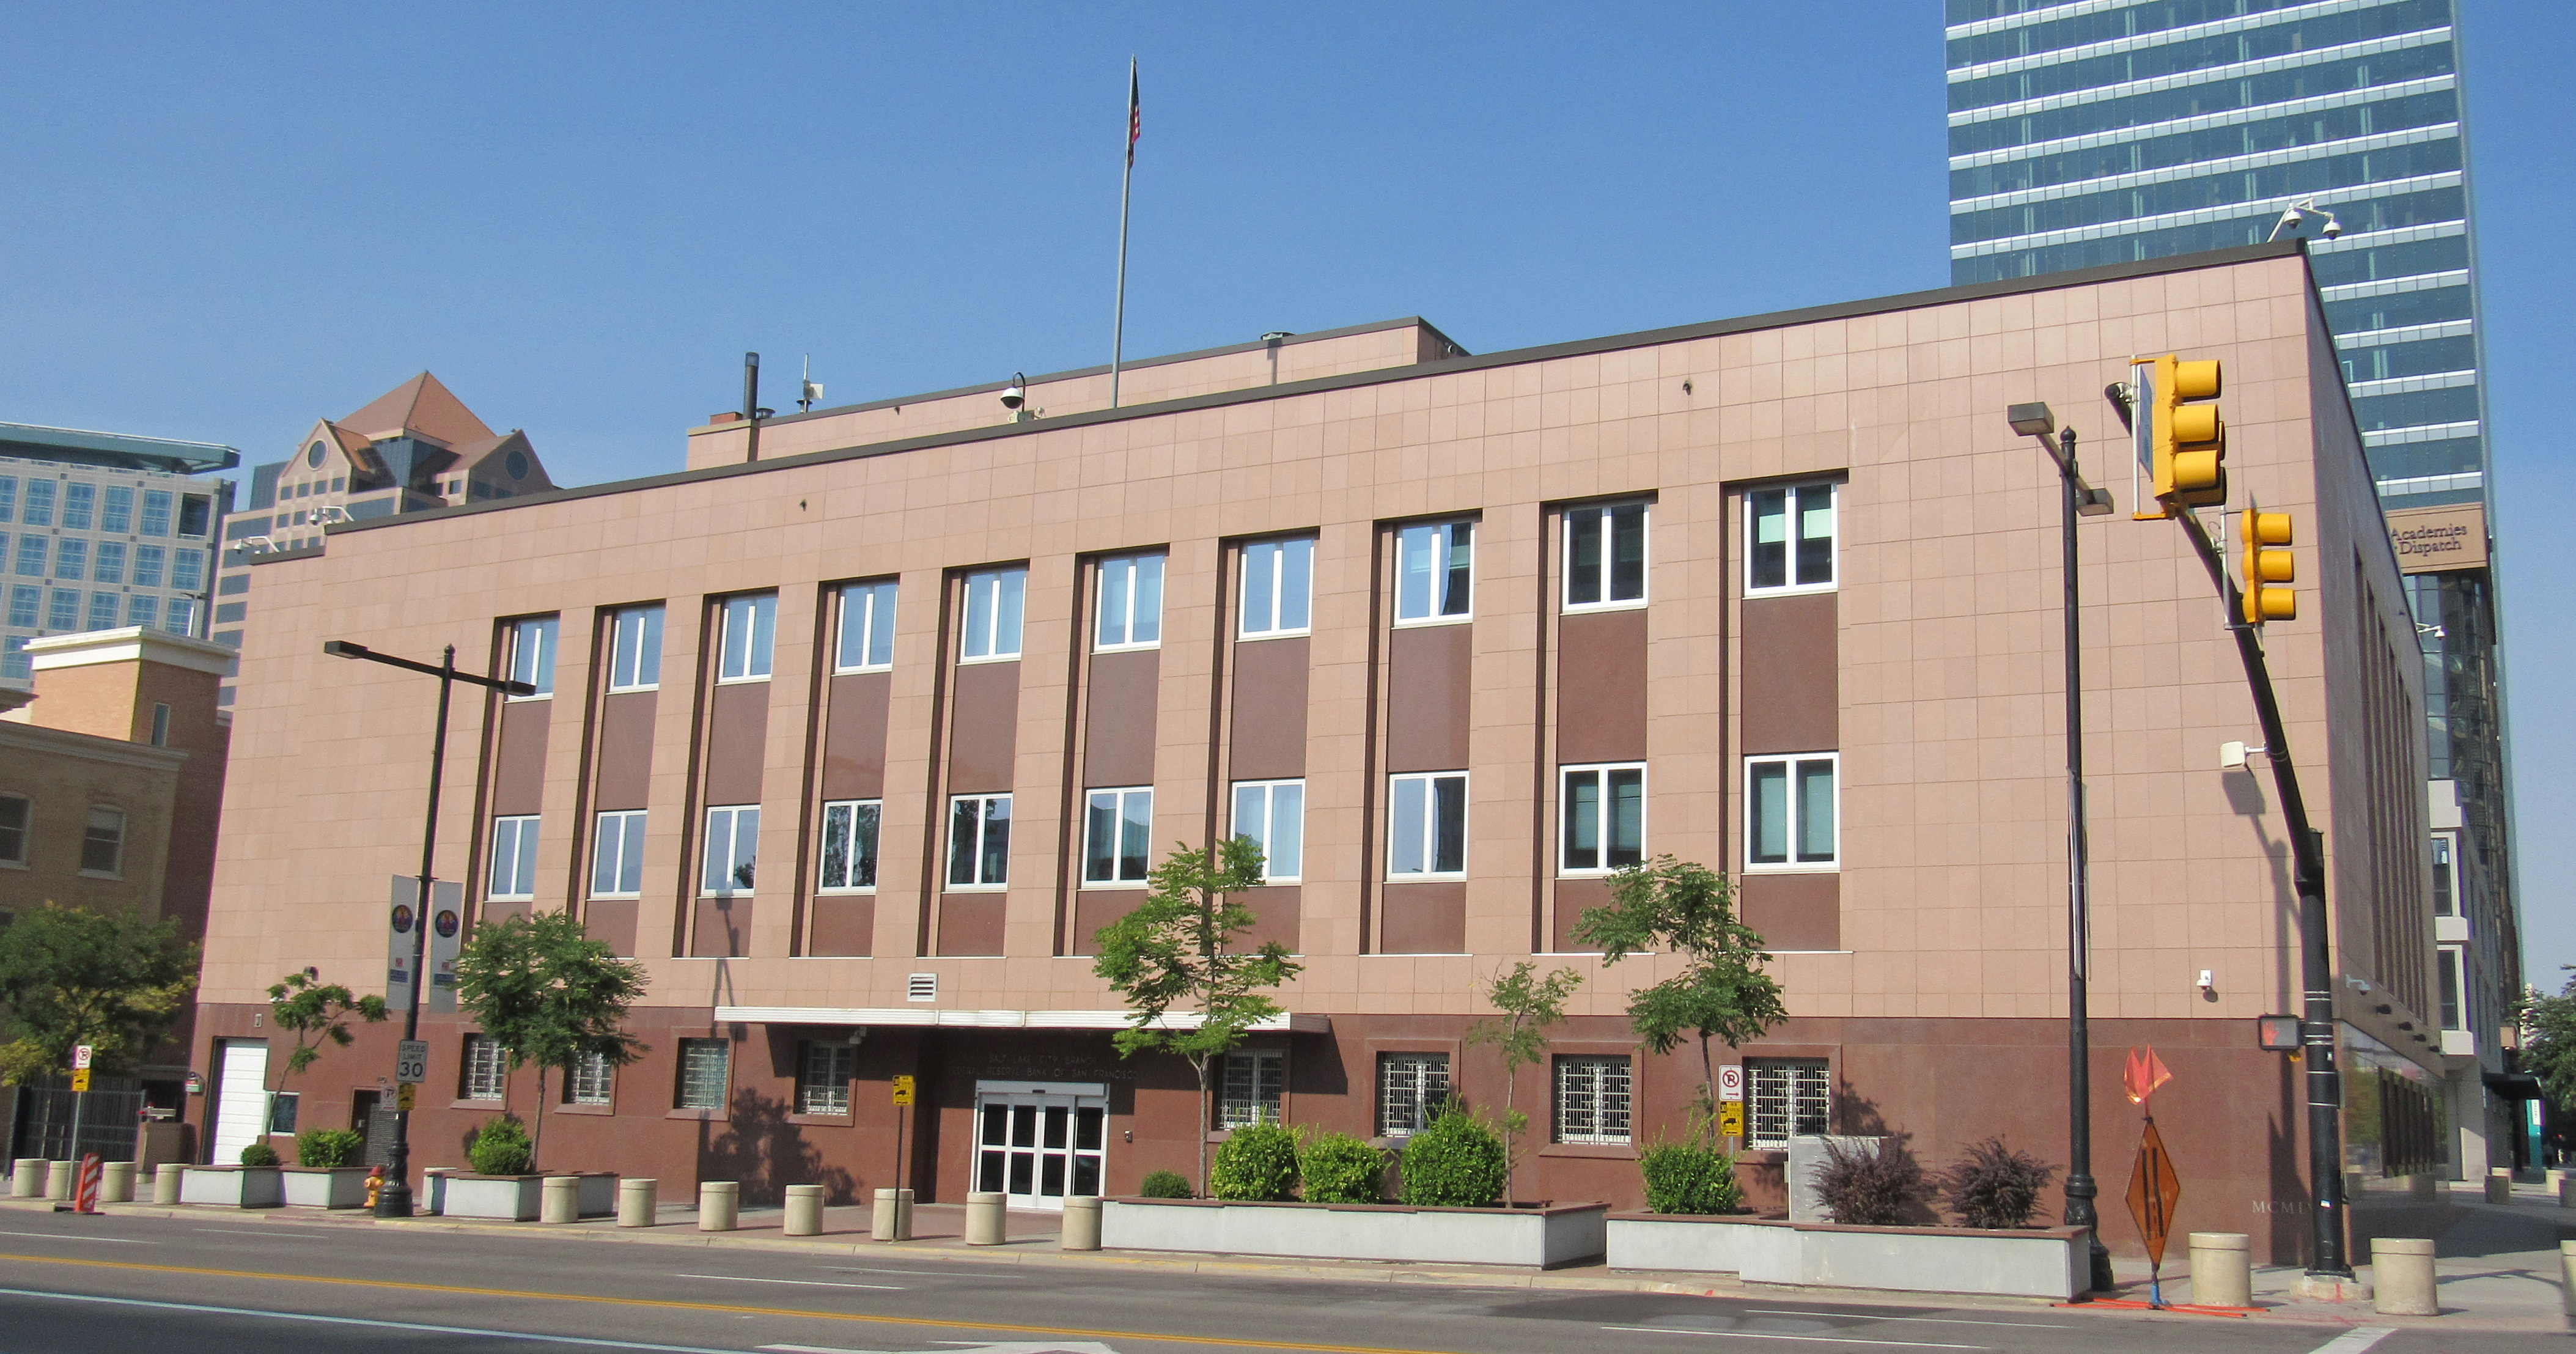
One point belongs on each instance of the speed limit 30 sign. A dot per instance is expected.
(411, 1061)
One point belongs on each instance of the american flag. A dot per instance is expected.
(1135, 115)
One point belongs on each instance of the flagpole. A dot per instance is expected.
(1126, 186)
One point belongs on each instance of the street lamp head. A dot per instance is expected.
(2032, 420)
(341, 648)
(2093, 502)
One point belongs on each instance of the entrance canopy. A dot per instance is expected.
(1291, 1023)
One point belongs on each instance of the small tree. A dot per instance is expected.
(546, 993)
(1526, 1006)
(2549, 1043)
(1177, 950)
(70, 976)
(1687, 909)
(315, 1012)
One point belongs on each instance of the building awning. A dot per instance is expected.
(1291, 1023)
(2514, 1085)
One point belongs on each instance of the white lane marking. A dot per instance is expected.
(67, 1236)
(1943, 1320)
(922, 1273)
(271, 1233)
(590, 1341)
(2355, 1340)
(1802, 1339)
(801, 1283)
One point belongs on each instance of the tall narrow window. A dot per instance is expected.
(1410, 1090)
(1786, 1098)
(2447, 973)
(867, 628)
(532, 654)
(1791, 811)
(2445, 885)
(979, 841)
(514, 857)
(1278, 587)
(116, 515)
(25, 604)
(705, 1066)
(1427, 826)
(733, 844)
(617, 856)
(160, 724)
(995, 599)
(103, 843)
(1789, 539)
(750, 631)
(1131, 602)
(8, 498)
(485, 1071)
(80, 506)
(1251, 1087)
(1435, 571)
(1604, 809)
(635, 648)
(849, 845)
(592, 1081)
(1605, 556)
(1592, 1099)
(15, 812)
(1272, 813)
(824, 1070)
(1118, 834)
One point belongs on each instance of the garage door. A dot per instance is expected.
(241, 1096)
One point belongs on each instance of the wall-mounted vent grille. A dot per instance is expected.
(923, 987)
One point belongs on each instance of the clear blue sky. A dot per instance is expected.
(222, 222)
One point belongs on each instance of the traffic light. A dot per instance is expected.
(2269, 567)
(2182, 447)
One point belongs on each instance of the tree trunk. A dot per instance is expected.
(1511, 1138)
(1708, 1088)
(1201, 1064)
(537, 1140)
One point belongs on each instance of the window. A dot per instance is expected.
(617, 856)
(62, 610)
(850, 844)
(1273, 814)
(111, 563)
(867, 628)
(147, 565)
(182, 618)
(71, 560)
(40, 502)
(2447, 972)
(1789, 812)
(282, 1108)
(1410, 1090)
(24, 604)
(750, 629)
(994, 600)
(593, 1080)
(1770, 562)
(733, 841)
(160, 725)
(31, 555)
(635, 648)
(1605, 557)
(2445, 880)
(1131, 603)
(823, 1073)
(8, 498)
(1278, 587)
(532, 653)
(1788, 1099)
(1604, 808)
(485, 1068)
(14, 663)
(1118, 836)
(142, 609)
(705, 1066)
(979, 841)
(514, 857)
(1434, 571)
(117, 518)
(102, 611)
(14, 813)
(1592, 1099)
(80, 506)
(103, 844)
(1427, 826)
(187, 569)
(196, 511)
(1249, 1087)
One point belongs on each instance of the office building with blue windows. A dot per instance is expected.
(2104, 131)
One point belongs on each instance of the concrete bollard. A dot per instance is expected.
(984, 1218)
(2222, 1269)
(639, 1202)
(2551, 1179)
(2567, 1192)
(719, 1204)
(116, 1182)
(560, 1201)
(2402, 1276)
(58, 1180)
(804, 1210)
(893, 1219)
(1081, 1222)
(166, 1179)
(2499, 1185)
(27, 1178)
(2567, 1276)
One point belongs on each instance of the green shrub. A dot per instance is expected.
(1994, 1186)
(1340, 1169)
(329, 1147)
(1455, 1162)
(1869, 1184)
(1164, 1185)
(1690, 1177)
(1256, 1164)
(501, 1148)
(259, 1154)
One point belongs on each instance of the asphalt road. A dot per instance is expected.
(216, 1286)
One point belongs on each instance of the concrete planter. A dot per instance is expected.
(2048, 1262)
(1538, 1238)
(325, 1186)
(234, 1186)
(515, 1198)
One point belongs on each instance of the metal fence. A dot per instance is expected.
(107, 1123)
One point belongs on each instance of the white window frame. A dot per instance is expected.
(1004, 593)
(2445, 855)
(1133, 576)
(1793, 521)
(2454, 965)
(841, 820)
(514, 839)
(485, 1068)
(592, 1080)
(1442, 538)
(1430, 1079)
(1430, 840)
(534, 641)
(1595, 1098)
(984, 820)
(1270, 558)
(625, 843)
(1793, 762)
(629, 664)
(1774, 1089)
(1601, 772)
(14, 836)
(1242, 1080)
(1609, 554)
(1118, 801)
(723, 1051)
(1266, 829)
(867, 610)
(739, 821)
(753, 616)
(824, 1070)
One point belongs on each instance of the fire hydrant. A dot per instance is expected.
(375, 1184)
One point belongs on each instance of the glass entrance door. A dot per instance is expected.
(1037, 1142)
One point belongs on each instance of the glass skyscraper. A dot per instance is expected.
(2089, 132)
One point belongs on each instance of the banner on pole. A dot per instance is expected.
(399, 941)
(446, 932)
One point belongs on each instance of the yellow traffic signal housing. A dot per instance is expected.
(2269, 567)
(2182, 447)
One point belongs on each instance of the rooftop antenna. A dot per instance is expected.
(752, 413)
(808, 392)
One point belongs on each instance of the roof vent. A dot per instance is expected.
(923, 987)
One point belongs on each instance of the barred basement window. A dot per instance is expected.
(823, 1073)
(1410, 1089)
(1790, 1098)
(485, 1068)
(1592, 1099)
(705, 1065)
(1250, 1087)
(592, 1081)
